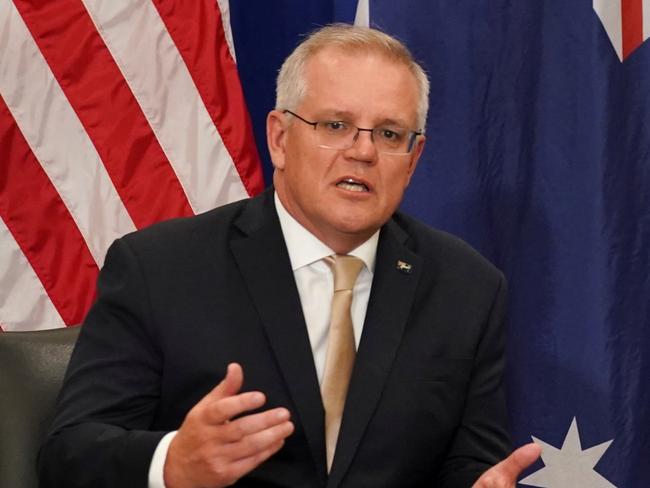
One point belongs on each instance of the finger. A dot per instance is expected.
(241, 467)
(219, 411)
(228, 386)
(520, 459)
(232, 383)
(254, 444)
(250, 424)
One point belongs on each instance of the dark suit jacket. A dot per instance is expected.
(180, 300)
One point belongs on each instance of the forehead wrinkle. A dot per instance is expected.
(345, 115)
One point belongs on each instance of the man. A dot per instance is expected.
(246, 291)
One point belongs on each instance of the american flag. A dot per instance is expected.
(627, 23)
(113, 115)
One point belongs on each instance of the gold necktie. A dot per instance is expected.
(340, 350)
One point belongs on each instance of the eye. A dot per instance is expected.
(335, 126)
(394, 136)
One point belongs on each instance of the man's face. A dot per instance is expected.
(368, 91)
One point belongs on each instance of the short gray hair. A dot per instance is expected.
(290, 87)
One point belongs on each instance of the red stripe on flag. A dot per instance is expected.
(42, 226)
(106, 107)
(632, 15)
(197, 30)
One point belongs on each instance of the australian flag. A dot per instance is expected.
(538, 154)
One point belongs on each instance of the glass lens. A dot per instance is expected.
(391, 139)
(336, 134)
(341, 134)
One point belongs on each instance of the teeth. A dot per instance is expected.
(351, 185)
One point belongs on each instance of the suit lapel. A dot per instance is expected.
(397, 272)
(264, 263)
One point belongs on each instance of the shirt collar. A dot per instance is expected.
(304, 248)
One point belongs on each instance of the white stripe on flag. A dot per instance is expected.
(224, 8)
(162, 85)
(57, 138)
(362, 16)
(646, 19)
(611, 17)
(24, 303)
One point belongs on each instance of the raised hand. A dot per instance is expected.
(212, 450)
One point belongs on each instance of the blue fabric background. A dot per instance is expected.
(538, 154)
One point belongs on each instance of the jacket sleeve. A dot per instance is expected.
(101, 433)
(482, 438)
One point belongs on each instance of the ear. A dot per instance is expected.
(415, 157)
(276, 132)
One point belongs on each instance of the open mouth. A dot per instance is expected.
(351, 184)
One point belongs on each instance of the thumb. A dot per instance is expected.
(520, 459)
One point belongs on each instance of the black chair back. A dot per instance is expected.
(32, 366)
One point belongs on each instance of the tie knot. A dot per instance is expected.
(346, 269)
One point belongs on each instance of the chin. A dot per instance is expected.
(360, 226)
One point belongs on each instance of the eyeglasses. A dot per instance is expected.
(341, 134)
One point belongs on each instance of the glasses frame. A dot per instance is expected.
(412, 136)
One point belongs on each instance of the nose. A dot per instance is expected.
(363, 148)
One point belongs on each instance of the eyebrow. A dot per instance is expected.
(336, 114)
(394, 122)
(344, 115)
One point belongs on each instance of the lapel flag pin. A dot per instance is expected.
(404, 267)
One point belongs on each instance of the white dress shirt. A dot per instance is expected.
(315, 284)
